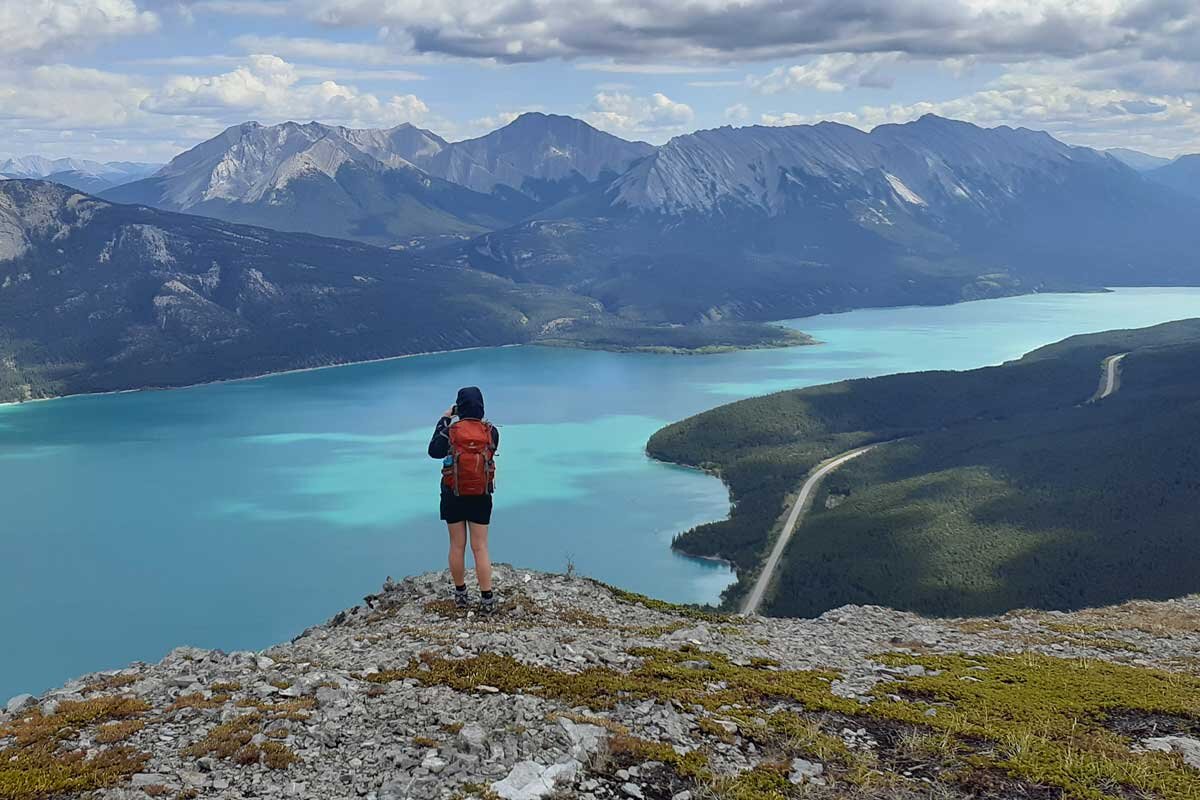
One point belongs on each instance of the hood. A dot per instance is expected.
(470, 403)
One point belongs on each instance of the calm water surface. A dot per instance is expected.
(237, 514)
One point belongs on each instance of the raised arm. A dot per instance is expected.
(439, 445)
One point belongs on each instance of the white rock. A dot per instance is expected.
(529, 780)
(585, 739)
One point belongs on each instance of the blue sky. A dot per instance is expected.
(145, 79)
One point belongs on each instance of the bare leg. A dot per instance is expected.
(483, 561)
(458, 548)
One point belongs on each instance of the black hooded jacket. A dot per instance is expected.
(469, 406)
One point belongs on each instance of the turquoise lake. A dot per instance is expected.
(235, 515)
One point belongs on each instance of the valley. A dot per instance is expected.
(161, 517)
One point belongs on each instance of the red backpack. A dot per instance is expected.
(472, 470)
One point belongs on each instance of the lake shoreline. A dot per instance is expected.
(255, 377)
(648, 350)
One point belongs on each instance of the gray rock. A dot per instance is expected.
(632, 790)
(472, 738)
(585, 739)
(804, 771)
(19, 703)
(1186, 746)
(143, 779)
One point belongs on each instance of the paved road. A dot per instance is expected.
(754, 599)
(1108, 382)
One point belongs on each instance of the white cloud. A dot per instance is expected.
(833, 72)
(738, 112)
(249, 8)
(1094, 117)
(36, 29)
(270, 89)
(624, 114)
(303, 48)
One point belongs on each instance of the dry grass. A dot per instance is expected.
(119, 731)
(1158, 619)
(294, 710)
(197, 700)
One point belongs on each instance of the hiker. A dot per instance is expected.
(467, 448)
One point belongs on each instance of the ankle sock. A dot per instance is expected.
(461, 589)
(486, 595)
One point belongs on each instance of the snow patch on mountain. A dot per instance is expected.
(906, 194)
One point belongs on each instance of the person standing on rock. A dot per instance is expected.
(467, 447)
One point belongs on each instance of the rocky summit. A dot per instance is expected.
(577, 689)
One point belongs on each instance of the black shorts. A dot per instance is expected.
(473, 508)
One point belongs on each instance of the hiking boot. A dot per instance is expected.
(487, 605)
(461, 598)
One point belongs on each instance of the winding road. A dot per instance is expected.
(754, 599)
(1108, 386)
(1108, 382)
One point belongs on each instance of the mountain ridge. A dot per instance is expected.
(576, 689)
(96, 296)
(765, 221)
(382, 186)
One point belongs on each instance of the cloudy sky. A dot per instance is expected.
(144, 79)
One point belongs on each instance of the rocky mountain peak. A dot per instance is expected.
(535, 147)
(761, 167)
(576, 689)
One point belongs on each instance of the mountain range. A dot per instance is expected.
(1182, 174)
(87, 176)
(96, 296)
(1142, 162)
(770, 222)
(401, 186)
(757, 222)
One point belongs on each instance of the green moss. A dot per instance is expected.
(41, 763)
(692, 764)
(1037, 719)
(662, 676)
(764, 782)
(1047, 719)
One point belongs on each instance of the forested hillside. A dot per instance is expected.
(1006, 488)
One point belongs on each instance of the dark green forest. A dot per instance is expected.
(998, 488)
(714, 337)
